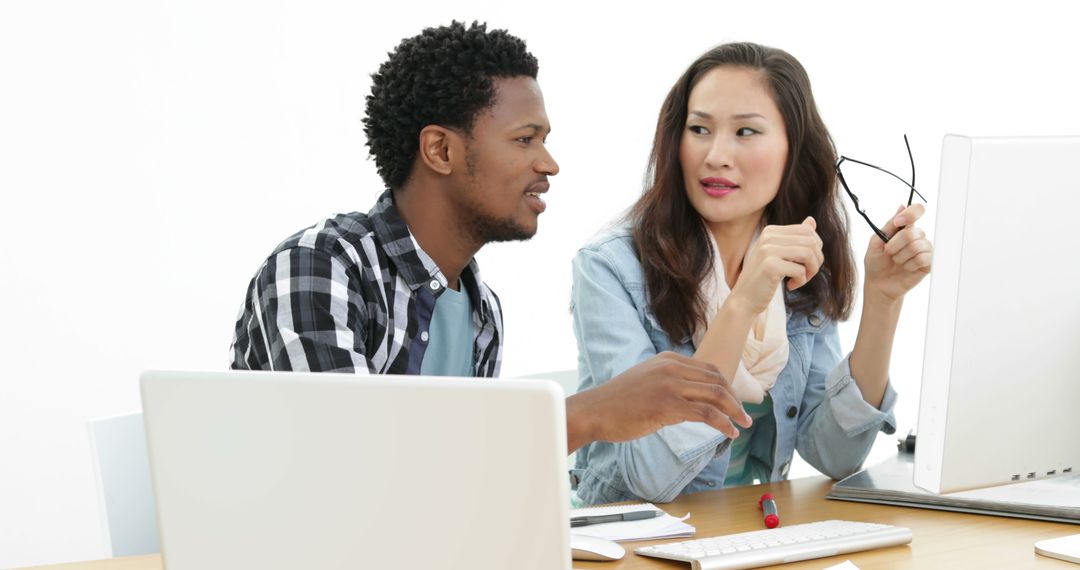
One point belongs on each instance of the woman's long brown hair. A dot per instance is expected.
(669, 234)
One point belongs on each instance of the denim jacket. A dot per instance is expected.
(817, 407)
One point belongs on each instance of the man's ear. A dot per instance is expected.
(439, 148)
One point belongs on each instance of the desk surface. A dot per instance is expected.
(941, 539)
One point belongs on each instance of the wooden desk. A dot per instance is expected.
(942, 540)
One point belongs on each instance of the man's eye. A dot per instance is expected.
(525, 140)
(745, 132)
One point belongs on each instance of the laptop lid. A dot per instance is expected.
(276, 470)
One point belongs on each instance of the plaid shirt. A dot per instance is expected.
(355, 293)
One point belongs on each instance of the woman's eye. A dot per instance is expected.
(698, 130)
(745, 132)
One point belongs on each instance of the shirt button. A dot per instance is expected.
(434, 285)
(814, 320)
(423, 336)
(784, 469)
(711, 483)
(792, 412)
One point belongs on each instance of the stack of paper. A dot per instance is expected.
(663, 526)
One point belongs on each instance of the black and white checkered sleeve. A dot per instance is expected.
(303, 304)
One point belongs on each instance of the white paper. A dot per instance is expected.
(845, 565)
(664, 526)
(1062, 492)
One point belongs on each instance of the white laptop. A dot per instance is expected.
(275, 470)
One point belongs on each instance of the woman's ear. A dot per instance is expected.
(435, 148)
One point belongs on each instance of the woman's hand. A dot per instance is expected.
(896, 267)
(792, 252)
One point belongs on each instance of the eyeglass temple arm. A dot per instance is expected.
(855, 200)
(905, 182)
(912, 159)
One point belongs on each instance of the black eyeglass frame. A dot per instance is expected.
(855, 199)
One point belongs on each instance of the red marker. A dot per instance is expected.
(768, 506)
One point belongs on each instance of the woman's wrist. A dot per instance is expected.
(735, 310)
(879, 303)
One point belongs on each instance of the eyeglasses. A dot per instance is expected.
(855, 199)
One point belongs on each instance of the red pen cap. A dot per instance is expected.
(772, 519)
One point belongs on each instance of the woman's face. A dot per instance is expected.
(734, 147)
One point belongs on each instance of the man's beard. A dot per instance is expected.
(485, 229)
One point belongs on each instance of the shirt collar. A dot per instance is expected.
(414, 264)
(398, 244)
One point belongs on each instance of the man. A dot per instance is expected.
(456, 124)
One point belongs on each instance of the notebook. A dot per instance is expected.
(663, 526)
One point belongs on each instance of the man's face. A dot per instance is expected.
(507, 165)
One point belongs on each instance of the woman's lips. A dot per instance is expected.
(718, 187)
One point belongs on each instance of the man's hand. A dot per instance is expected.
(665, 390)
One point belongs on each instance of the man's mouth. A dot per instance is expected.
(532, 196)
(537, 188)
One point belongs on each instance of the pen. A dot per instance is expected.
(631, 516)
(768, 507)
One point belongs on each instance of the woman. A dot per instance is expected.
(738, 254)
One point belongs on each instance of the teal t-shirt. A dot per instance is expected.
(450, 338)
(740, 469)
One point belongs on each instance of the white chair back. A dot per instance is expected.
(125, 491)
(568, 379)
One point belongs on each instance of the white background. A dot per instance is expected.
(152, 153)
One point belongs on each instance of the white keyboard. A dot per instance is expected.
(780, 545)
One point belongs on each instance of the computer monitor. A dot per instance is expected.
(279, 471)
(1001, 369)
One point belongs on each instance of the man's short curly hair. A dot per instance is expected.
(444, 76)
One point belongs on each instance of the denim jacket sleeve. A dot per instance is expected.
(614, 333)
(836, 426)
